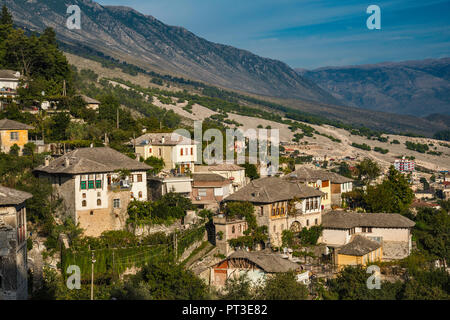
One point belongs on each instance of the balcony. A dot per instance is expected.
(122, 185)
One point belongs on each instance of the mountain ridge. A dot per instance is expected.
(125, 33)
(414, 87)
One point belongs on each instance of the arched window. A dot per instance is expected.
(140, 194)
(84, 203)
(99, 202)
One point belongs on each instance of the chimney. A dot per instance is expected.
(67, 162)
(47, 161)
(163, 139)
(92, 145)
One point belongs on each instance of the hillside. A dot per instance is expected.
(126, 34)
(415, 88)
(318, 144)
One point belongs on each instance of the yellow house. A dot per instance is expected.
(11, 133)
(317, 179)
(359, 251)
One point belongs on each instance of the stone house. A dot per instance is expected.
(11, 133)
(209, 189)
(160, 186)
(13, 244)
(227, 229)
(391, 230)
(281, 205)
(256, 265)
(179, 153)
(96, 185)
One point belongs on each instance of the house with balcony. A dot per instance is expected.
(330, 183)
(96, 186)
(229, 171)
(392, 231)
(209, 189)
(179, 153)
(13, 244)
(9, 82)
(281, 204)
(11, 133)
(159, 186)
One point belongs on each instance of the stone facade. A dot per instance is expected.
(13, 253)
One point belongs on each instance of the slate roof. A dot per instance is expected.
(347, 220)
(6, 124)
(273, 189)
(312, 175)
(170, 139)
(209, 179)
(92, 160)
(10, 196)
(225, 167)
(269, 262)
(89, 99)
(359, 246)
(9, 74)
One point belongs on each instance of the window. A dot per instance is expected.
(307, 204)
(149, 150)
(181, 151)
(233, 229)
(159, 151)
(307, 222)
(14, 136)
(261, 211)
(240, 228)
(109, 180)
(83, 185)
(192, 151)
(132, 195)
(316, 221)
(131, 178)
(92, 213)
(99, 202)
(116, 203)
(98, 184)
(99, 194)
(84, 203)
(202, 192)
(139, 178)
(140, 194)
(91, 184)
(84, 195)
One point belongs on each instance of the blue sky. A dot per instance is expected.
(312, 33)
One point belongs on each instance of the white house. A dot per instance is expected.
(392, 230)
(96, 185)
(178, 152)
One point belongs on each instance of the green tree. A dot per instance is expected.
(237, 289)
(393, 195)
(367, 170)
(14, 150)
(156, 163)
(160, 280)
(251, 171)
(283, 286)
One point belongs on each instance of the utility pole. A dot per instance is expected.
(64, 88)
(92, 277)
(118, 118)
(175, 242)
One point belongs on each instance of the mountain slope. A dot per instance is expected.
(412, 87)
(124, 33)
